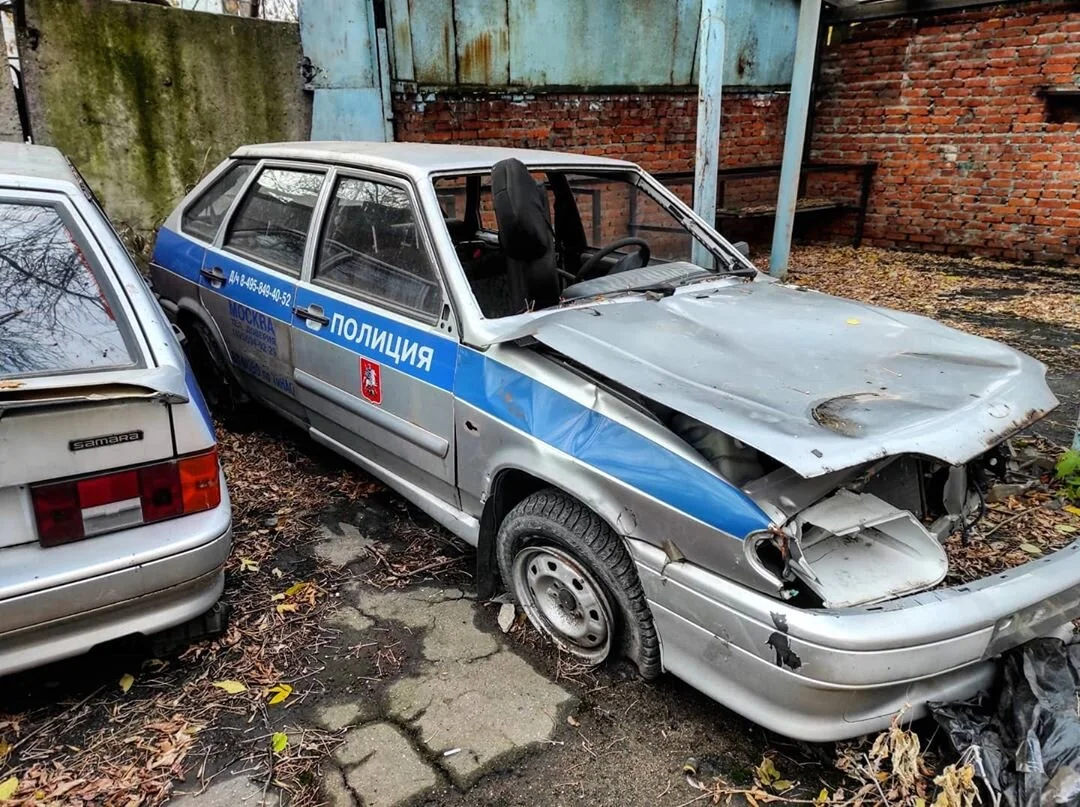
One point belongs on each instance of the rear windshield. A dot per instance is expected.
(54, 316)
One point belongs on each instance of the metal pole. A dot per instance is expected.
(710, 87)
(798, 109)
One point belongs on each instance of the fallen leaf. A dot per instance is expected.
(1031, 549)
(232, 687)
(780, 785)
(766, 771)
(277, 573)
(822, 797)
(1065, 528)
(286, 607)
(248, 565)
(8, 787)
(1072, 508)
(853, 321)
(278, 693)
(295, 588)
(126, 680)
(276, 597)
(278, 741)
(573, 721)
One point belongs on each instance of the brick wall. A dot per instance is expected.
(969, 158)
(656, 130)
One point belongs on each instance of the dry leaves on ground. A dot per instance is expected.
(972, 294)
(133, 747)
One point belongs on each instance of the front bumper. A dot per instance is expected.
(829, 675)
(56, 604)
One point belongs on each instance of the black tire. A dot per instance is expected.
(551, 518)
(223, 395)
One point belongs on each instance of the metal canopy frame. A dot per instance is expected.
(840, 11)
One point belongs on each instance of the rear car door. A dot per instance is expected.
(248, 279)
(373, 353)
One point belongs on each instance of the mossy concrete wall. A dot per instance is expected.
(10, 129)
(145, 99)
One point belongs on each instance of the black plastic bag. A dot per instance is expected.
(1023, 737)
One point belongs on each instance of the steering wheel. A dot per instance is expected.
(588, 270)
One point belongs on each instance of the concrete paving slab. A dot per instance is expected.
(336, 716)
(348, 618)
(336, 790)
(492, 708)
(343, 545)
(236, 792)
(445, 616)
(381, 766)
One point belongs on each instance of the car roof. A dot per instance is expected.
(421, 159)
(24, 161)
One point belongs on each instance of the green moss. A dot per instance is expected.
(145, 100)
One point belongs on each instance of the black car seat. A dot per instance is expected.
(525, 236)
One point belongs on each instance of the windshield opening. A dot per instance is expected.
(528, 240)
(54, 316)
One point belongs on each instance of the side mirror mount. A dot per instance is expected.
(742, 248)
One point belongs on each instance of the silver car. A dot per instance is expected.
(114, 519)
(662, 453)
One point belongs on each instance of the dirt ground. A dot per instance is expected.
(123, 727)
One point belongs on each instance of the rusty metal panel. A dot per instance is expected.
(585, 43)
(761, 42)
(400, 40)
(340, 42)
(482, 30)
(433, 45)
(685, 39)
(592, 42)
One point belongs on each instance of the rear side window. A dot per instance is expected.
(203, 218)
(271, 224)
(371, 245)
(54, 314)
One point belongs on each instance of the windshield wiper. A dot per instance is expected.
(9, 316)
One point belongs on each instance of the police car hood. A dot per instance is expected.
(816, 382)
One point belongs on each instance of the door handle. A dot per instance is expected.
(311, 315)
(214, 274)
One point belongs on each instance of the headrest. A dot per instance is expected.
(521, 210)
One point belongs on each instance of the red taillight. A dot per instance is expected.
(68, 511)
(159, 489)
(98, 491)
(58, 515)
(199, 482)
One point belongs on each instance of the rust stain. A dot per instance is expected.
(477, 65)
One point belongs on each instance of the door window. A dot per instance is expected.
(203, 218)
(371, 246)
(271, 225)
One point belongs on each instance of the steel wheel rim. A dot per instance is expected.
(564, 600)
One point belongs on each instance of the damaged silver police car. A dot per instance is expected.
(662, 453)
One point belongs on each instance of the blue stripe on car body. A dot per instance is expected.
(604, 444)
(179, 254)
(496, 389)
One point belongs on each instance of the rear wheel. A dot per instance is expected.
(573, 577)
(218, 386)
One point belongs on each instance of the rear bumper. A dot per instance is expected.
(830, 675)
(65, 617)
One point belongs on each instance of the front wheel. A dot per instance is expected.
(573, 577)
